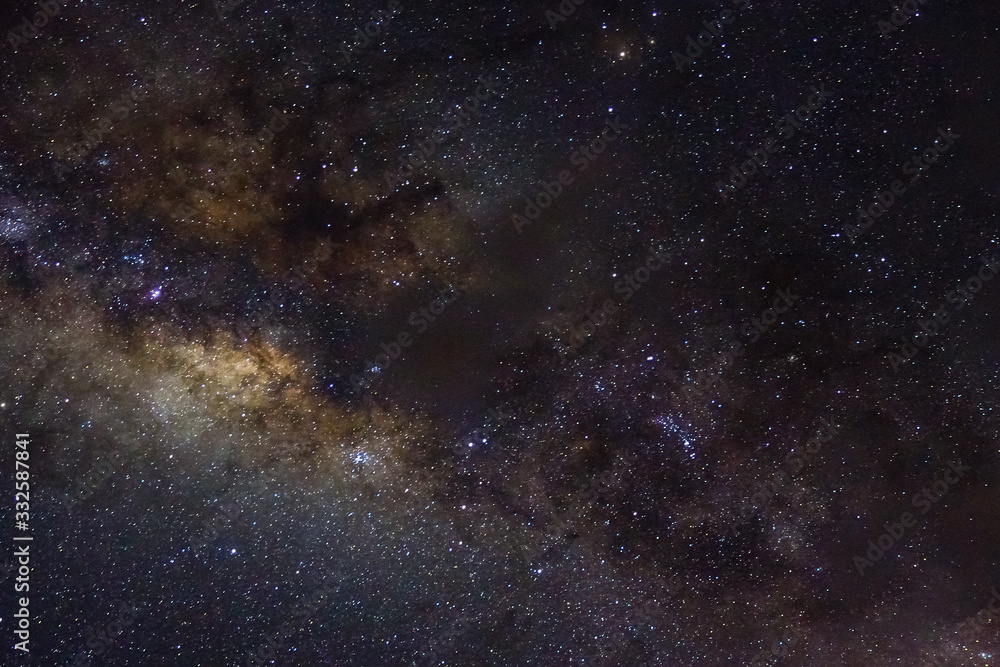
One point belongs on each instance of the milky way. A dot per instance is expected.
(425, 334)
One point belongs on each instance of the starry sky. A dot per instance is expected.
(483, 339)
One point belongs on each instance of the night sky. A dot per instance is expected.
(506, 333)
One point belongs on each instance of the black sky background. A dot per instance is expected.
(208, 362)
